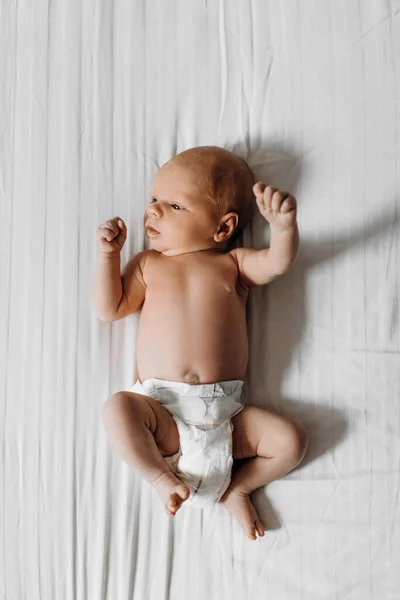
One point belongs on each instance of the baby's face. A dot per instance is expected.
(180, 213)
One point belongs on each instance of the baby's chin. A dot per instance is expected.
(174, 251)
(159, 246)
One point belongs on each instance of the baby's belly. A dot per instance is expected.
(194, 346)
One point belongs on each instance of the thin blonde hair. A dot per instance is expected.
(226, 181)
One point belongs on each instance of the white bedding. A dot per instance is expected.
(94, 96)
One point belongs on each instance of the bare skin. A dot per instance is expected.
(192, 328)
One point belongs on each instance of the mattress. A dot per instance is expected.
(94, 97)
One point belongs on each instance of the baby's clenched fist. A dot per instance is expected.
(278, 208)
(111, 236)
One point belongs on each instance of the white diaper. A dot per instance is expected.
(203, 415)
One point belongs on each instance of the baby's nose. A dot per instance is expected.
(153, 209)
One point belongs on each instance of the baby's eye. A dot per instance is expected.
(151, 202)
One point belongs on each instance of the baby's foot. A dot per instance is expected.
(239, 505)
(171, 491)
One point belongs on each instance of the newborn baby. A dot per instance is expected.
(185, 420)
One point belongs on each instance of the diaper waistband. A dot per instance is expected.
(205, 404)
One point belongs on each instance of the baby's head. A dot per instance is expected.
(201, 199)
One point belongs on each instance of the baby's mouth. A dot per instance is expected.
(152, 231)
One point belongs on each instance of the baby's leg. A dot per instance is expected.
(142, 432)
(275, 446)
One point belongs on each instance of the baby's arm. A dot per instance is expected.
(258, 267)
(116, 295)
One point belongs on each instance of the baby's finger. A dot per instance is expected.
(121, 225)
(112, 224)
(268, 195)
(102, 232)
(108, 235)
(277, 200)
(108, 227)
(258, 188)
(288, 204)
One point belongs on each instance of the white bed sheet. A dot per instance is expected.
(94, 97)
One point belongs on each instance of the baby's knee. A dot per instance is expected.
(125, 405)
(112, 407)
(296, 441)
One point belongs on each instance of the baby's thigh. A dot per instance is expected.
(139, 408)
(261, 432)
(166, 433)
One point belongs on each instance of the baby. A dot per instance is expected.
(185, 420)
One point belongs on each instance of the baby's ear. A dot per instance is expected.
(223, 227)
(231, 221)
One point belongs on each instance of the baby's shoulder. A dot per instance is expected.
(149, 255)
(148, 259)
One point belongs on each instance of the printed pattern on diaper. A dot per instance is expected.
(207, 405)
(206, 462)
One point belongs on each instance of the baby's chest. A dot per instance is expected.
(200, 284)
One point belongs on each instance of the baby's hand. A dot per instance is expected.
(278, 208)
(111, 236)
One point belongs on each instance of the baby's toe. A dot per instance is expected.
(256, 528)
(176, 499)
(183, 492)
(173, 503)
(260, 528)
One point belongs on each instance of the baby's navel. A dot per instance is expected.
(191, 377)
